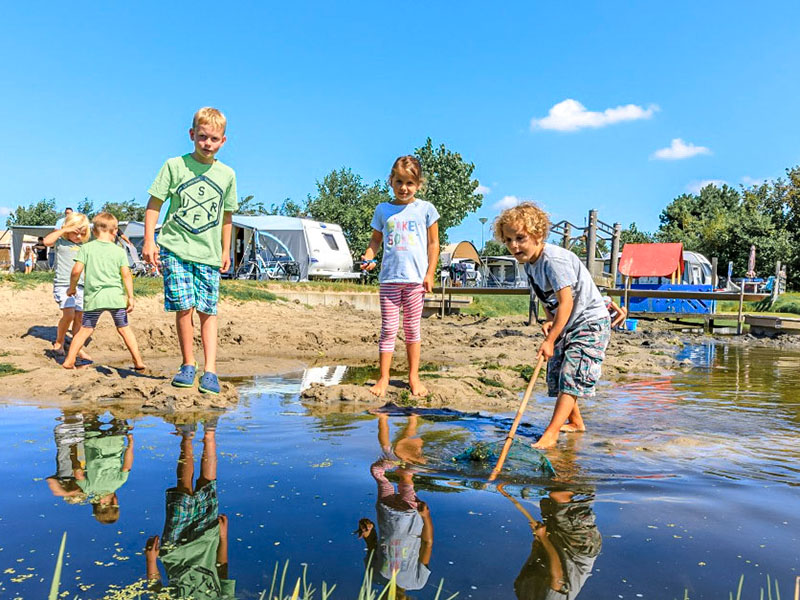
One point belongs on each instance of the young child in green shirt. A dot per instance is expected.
(194, 241)
(108, 286)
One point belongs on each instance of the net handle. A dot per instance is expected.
(511, 432)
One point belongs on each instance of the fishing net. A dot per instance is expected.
(521, 459)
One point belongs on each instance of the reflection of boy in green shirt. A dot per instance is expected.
(195, 538)
(108, 463)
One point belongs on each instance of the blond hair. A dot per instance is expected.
(104, 221)
(209, 116)
(533, 220)
(82, 221)
(409, 165)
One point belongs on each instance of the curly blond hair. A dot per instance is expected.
(533, 220)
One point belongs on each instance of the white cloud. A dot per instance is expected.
(483, 189)
(678, 150)
(4, 211)
(695, 186)
(506, 202)
(571, 115)
(747, 181)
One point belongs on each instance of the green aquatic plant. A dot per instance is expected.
(490, 382)
(769, 591)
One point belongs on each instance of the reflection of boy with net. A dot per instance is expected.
(403, 542)
(194, 545)
(565, 547)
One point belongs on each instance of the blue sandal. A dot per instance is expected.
(209, 384)
(185, 377)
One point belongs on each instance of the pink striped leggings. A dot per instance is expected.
(409, 296)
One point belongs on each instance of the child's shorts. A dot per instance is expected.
(189, 284)
(576, 365)
(190, 515)
(64, 301)
(28, 263)
(90, 317)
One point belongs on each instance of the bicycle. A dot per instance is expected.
(255, 267)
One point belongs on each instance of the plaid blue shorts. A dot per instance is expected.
(189, 284)
(190, 515)
(577, 361)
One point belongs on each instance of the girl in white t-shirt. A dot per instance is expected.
(66, 241)
(409, 231)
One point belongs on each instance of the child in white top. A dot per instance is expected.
(409, 231)
(67, 240)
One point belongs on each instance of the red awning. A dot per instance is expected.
(651, 260)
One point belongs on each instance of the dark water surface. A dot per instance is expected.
(690, 480)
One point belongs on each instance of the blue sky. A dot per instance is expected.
(97, 96)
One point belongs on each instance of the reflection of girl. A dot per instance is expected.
(564, 548)
(403, 542)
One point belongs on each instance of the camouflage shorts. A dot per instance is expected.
(575, 367)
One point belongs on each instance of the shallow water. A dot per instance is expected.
(692, 480)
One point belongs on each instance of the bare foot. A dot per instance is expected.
(546, 441)
(82, 354)
(570, 428)
(140, 367)
(417, 388)
(68, 365)
(58, 349)
(379, 389)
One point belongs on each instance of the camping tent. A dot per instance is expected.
(320, 249)
(18, 235)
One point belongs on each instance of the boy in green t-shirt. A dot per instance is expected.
(194, 241)
(108, 285)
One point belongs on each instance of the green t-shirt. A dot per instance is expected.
(103, 287)
(198, 196)
(66, 252)
(104, 474)
(192, 569)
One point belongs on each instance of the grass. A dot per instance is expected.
(9, 369)
(302, 589)
(497, 306)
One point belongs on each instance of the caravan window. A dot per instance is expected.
(331, 241)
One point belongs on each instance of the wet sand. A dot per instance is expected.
(474, 362)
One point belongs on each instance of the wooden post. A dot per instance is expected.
(615, 253)
(567, 235)
(442, 302)
(627, 287)
(776, 285)
(739, 325)
(714, 272)
(591, 241)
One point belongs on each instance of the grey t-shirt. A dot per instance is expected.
(66, 252)
(399, 544)
(557, 268)
(405, 239)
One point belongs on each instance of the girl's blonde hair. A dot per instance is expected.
(409, 165)
(76, 218)
(533, 220)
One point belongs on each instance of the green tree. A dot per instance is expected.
(42, 212)
(448, 185)
(494, 248)
(248, 205)
(128, 210)
(632, 235)
(343, 198)
(86, 207)
(287, 208)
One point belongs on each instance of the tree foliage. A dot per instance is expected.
(448, 185)
(248, 205)
(287, 208)
(42, 212)
(343, 198)
(724, 222)
(632, 235)
(128, 210)
(494, 248)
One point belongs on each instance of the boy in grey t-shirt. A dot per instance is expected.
(577, 328)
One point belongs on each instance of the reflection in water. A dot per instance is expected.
(566, 543)
(92, 462)
(403, 543)
(193, 547)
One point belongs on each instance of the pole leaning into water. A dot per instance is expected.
(511, 432)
